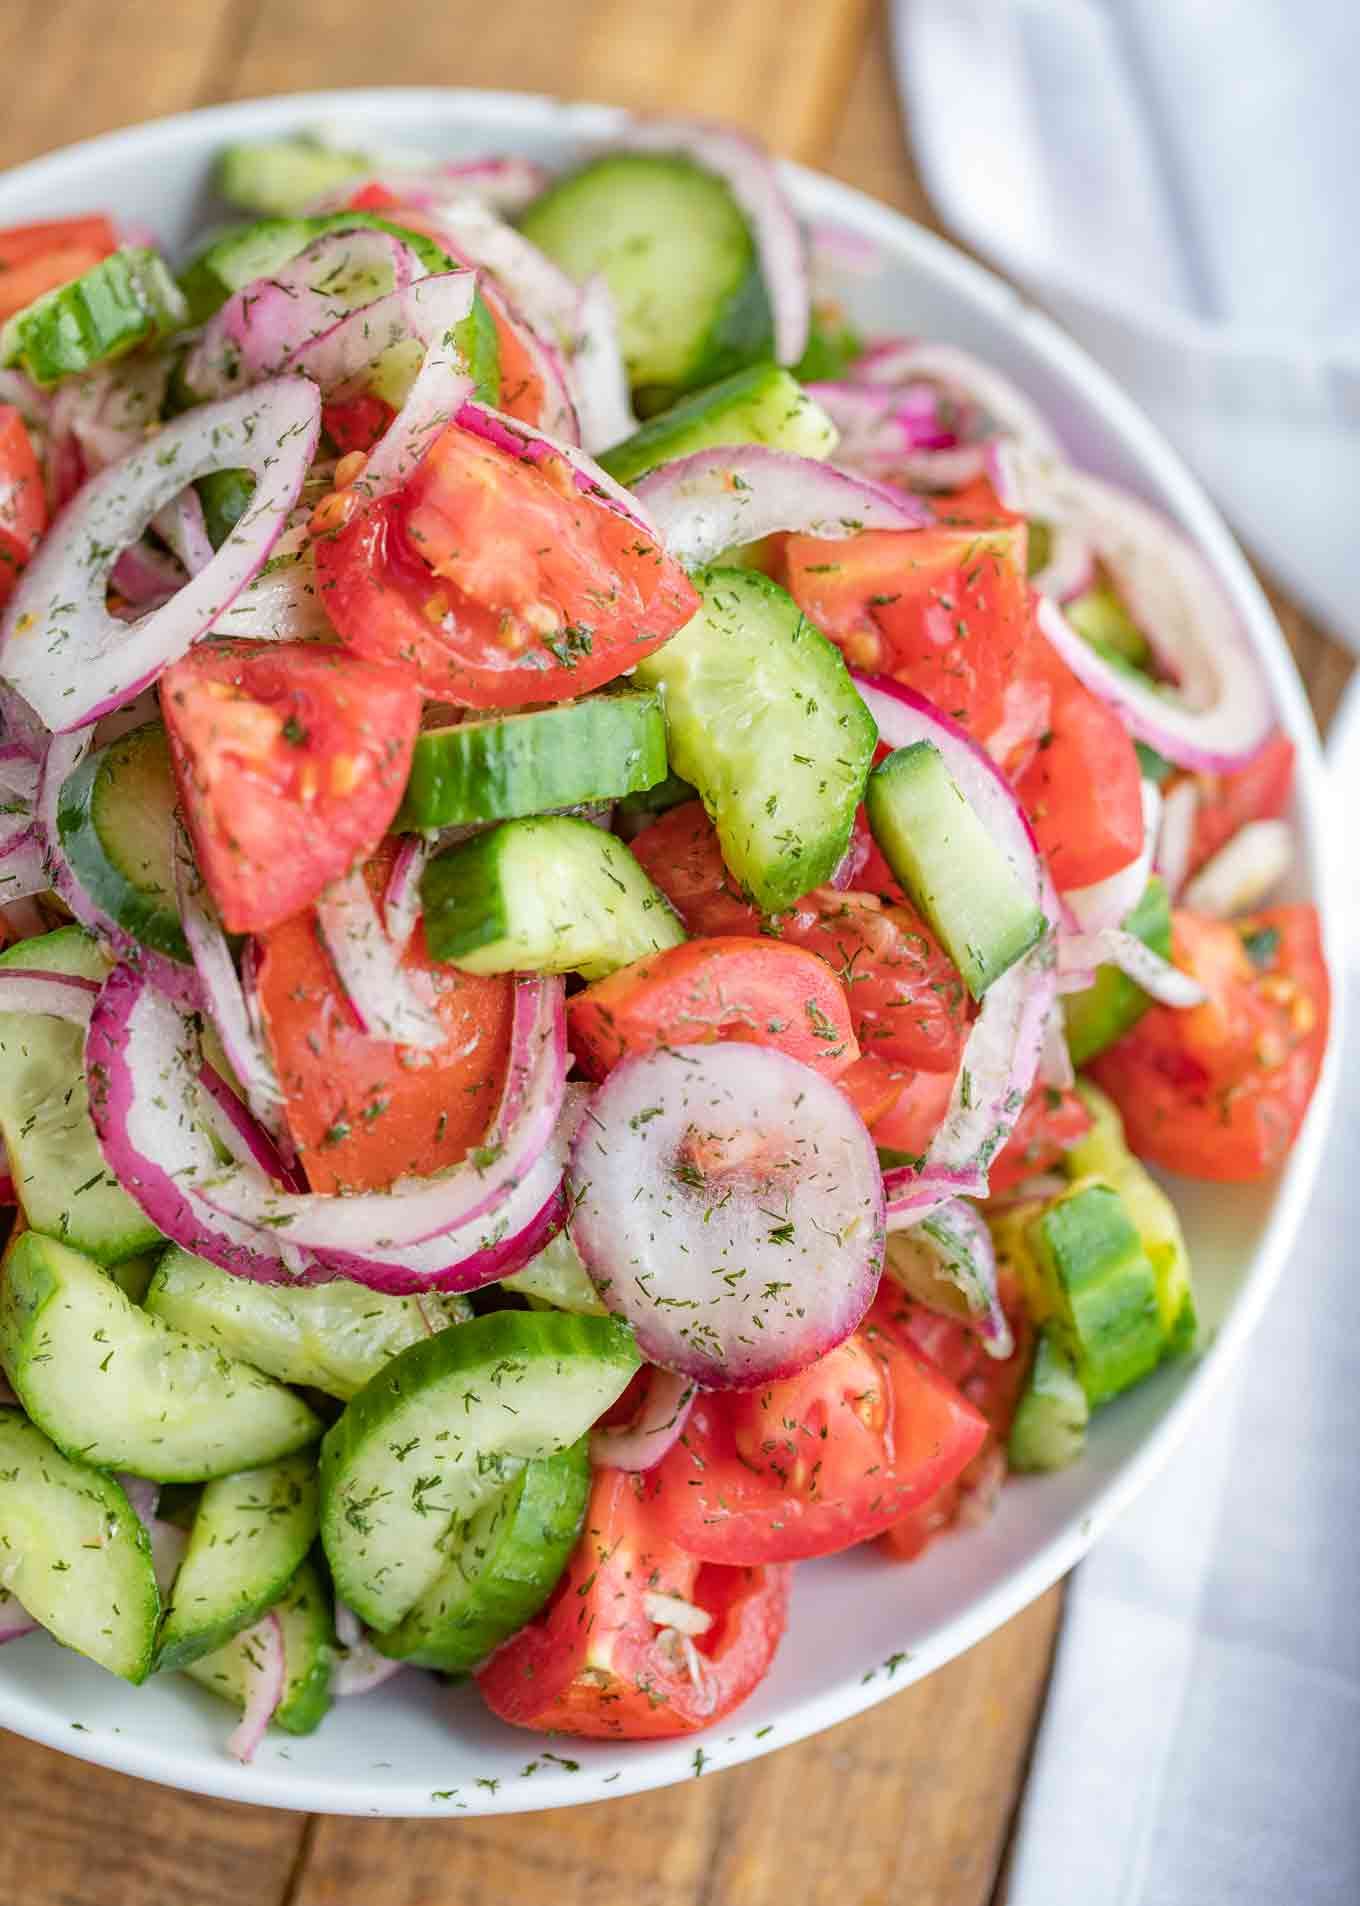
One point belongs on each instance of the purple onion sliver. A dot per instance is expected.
(266, 1679)
(658, 1425)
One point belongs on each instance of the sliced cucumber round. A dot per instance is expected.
(575, 754)
(250, 1536)
(503, 1563)
(115, 815)
(121, 1389)
(125, 300)
(282, 175)
(443, 1431)
(551, 895)
(1049, 1428)
(762, 404)
(558, 1278)
(308, 1622)
(649, 222)
(74, 1552)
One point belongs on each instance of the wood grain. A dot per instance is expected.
(912, 1803)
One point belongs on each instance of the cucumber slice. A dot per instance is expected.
(225, 496)
(308, 1623)
(125, 300)
(1100, 618)
(552, 895)
(762, 404)
(442, 1431)
(74, 1552)
(832, 347)
(1104, 1154)
(763, 718)
(115, 815)
(950, 865)
(251, 1535)
(503, 1563)
(330, 1337)
(650, 222)
(1094, 1018)
(1094, 1281)
(636, 811)
(573, 755)
(558, 1278)
(123, 1390)
(1049, 1427)
(64, 1186)
(283, 175)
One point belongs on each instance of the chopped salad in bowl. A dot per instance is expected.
(610, 888)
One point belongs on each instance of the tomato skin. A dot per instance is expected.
(1050, 1123)
(38, 258)
(356, 423)
(760, 991)
(1220, 1091)
(360, 1114)
(594, 1664)
(23, 501)
(1258, 792)
(822, 1460)
(290, 760)
(1082, 790)
(916, 1114)
(680, 852)
(495, 581)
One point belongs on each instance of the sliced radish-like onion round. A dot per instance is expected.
(63, 995)
(15, 1620)
(401, 904)
(266, 1679)
(1112, 946)
(728, 1204)
(368, 965)
(1176, 835)
(59, 645)
(1108, 903)
(948, 1263)
(598, 373)
(361, 1668)
(1243, 871)
(750, 175)
(706, 503)
(642, 1442)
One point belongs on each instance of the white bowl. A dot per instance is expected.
(862, 1627)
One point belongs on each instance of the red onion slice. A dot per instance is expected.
(63, 995)
(1112, 946)
(59, 646)
(753, 180)
(168, 1541)
(728, 1204)
(1176, 835)
(598, 373)
(966, 381)
(265, 1683)
(1243, 871)
(717, 498)
(882, 435)
(368, 966)
(559, 414)
(361, 1668)
(541, 290)
(401, 899)
(15, 1620)
(1108, 903)
(239, 1134)
(947, 1262)
(910, 1195)
(23, 865)
(414, 1210)
(641, 1443)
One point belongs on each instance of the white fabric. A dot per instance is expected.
(1201, 1741)
(1177, 179)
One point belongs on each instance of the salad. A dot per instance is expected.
(608, 890)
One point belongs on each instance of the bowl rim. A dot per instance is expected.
(286, 1785)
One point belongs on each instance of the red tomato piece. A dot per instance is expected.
(681, 853)
(760, 991)
(290, 760)
(1050, 1123)
(356, 423)
(1220, 1091)
(23, 501)
(1258, 792)
(916, 1114)
(38, 258)
(496, 582)
(361, 1110)
(819, 1461)
(1082, 789)
(600, 1659)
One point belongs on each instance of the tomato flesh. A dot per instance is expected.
(23, 502)
(37, 258)
(596, 1663)
(1258, 792)
(290, 760)
(1082, 789)
(1050, 1123)
(494, 580)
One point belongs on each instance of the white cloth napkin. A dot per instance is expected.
(1201, 1741)
(1177, 180)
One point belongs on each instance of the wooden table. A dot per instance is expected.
(913, 1803)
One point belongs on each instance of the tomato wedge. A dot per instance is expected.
(37, 258)
(291, 760)
(916, 1113)
(820, 1461)
(730, 988)
(1083, 787)
(602, 1659)
(495, 581)
(1050, 1123)
(1258, 792)
(362, 1111)
(23, 502)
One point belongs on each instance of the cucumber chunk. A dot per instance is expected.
(551, 895)
(1102, 1153)
(74, 1552)
(832, 347)
(1049, 1427)
(558, 1278)
(649, 223)
(443, 1431)
(1100, 618)
(762, 404)
(1094, 1281)
(1104, 1011)
(308, 1624)
(115, 815)
(127, 299)
(118, 1388)
(63, 1184)
(950, 865)
(575, 754)
(330, 1337)
(503, 1563)
(251, 1535)
(763, 719)
(283, 175)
